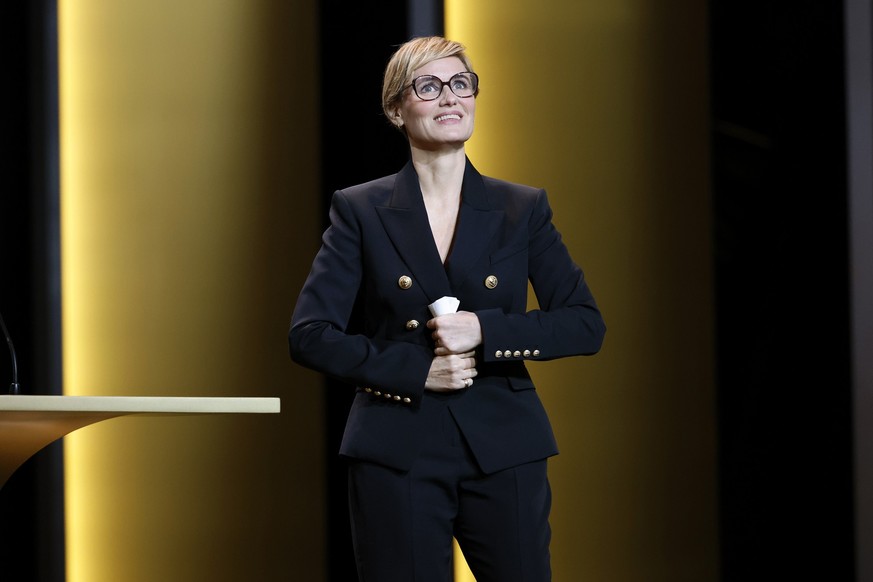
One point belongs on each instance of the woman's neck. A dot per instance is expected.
(440, 174)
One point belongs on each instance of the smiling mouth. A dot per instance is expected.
(449, 116)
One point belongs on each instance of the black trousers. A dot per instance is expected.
(403, 522)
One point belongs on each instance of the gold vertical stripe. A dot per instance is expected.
(604, 104)
(188, 140)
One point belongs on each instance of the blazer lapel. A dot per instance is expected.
(478, 222)
(405, 222)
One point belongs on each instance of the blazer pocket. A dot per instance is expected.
(507, 252)
(520, 383)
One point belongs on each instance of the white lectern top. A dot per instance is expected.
(29, 423)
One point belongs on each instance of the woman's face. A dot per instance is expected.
(444, 121)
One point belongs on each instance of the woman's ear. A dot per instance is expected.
(396, 118)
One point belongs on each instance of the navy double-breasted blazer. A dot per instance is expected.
(362, 312)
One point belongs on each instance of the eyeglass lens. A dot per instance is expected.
(430, 87)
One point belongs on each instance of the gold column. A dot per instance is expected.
(189, 215)
(605, 105)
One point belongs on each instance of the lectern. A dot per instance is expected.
(29, 423)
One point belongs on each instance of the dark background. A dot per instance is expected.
(31, 502)
(381, 31)
(784, 392)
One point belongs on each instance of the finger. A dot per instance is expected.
(444, 351)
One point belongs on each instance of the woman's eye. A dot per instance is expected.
(428, 87)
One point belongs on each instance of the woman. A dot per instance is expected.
(446, 435)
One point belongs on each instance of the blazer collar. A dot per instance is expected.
(407, 191)
(405, 221)
(478, 221)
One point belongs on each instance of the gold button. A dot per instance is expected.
(405, 282)
(407, 400)
(507, 354)
(386, 395)
(526, 353)
(536, 353)
(491, 281)
(498, 354)
(377, 393)
(517, 354)
(396, 398)
(411, 324)
(368, 389)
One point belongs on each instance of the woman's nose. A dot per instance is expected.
(447, 96)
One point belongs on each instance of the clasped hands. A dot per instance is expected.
(456, 336)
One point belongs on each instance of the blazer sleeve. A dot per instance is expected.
(319, 337)
(568, 321)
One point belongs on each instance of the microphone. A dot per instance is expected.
(14, 388)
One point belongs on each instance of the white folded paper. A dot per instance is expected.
(444, 305)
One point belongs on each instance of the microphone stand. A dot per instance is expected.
(14, 388)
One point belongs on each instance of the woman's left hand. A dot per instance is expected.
(455, 333)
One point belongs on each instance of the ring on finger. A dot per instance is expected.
(468, 382)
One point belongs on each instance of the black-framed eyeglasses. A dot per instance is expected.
(429, 87)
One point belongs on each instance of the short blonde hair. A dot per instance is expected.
(407, 59)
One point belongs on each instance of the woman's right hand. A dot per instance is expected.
(451, 372)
